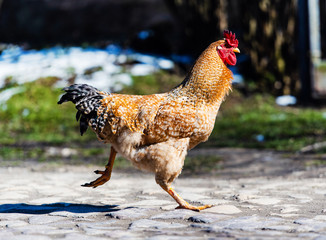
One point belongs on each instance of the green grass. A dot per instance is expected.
(34, 117)
(241, 120)
(157, 83)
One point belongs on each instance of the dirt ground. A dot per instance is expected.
(242, 163)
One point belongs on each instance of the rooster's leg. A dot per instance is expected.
(182, 203)
(106, 174)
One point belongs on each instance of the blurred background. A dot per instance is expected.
(147, 46)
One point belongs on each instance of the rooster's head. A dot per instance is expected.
(227, 49)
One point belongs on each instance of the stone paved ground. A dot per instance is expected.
(257, 195)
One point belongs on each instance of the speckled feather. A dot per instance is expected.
(189, 110)
(155, 131)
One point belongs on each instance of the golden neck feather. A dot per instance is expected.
(209, 80)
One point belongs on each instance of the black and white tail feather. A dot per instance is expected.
(88, 101)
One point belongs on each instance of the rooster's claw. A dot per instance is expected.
(194, 208)
(99, 181)
(106, 174)
(99, 172)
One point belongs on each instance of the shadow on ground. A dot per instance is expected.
(55, 207)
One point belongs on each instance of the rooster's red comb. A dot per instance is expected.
(230, 38)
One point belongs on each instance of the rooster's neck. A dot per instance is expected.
(208, 81)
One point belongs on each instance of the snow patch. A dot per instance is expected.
(28, 65)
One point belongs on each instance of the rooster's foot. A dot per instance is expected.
(193, 208)
(106, 174)
(99, 181)
(182, 203)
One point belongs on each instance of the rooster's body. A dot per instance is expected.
(156, 131)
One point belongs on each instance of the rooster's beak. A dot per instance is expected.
(237, 50)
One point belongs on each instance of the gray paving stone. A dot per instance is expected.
(13, 195)
(321, 218)
(16, 216)
(130, 213)
(83, 216)
(246, 223)
(123, 234)
(151, 202)
(165, 237)
(28, 237)
(65, 224)
(44, 219)
(12, 224)
(67, 214)
(310, 225)
(79, 236)
(314, 236)
(264, 200)
(323, 237)
(287, 207)
(46, 200)
(105, 225)
(37, 229)
(5, 234)
(174, 214)
(224, 209)
(283, 228)
(189, 195)
(207, 218)
(146, 224)
(97, 232)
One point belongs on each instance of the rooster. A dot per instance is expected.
(156, 131)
